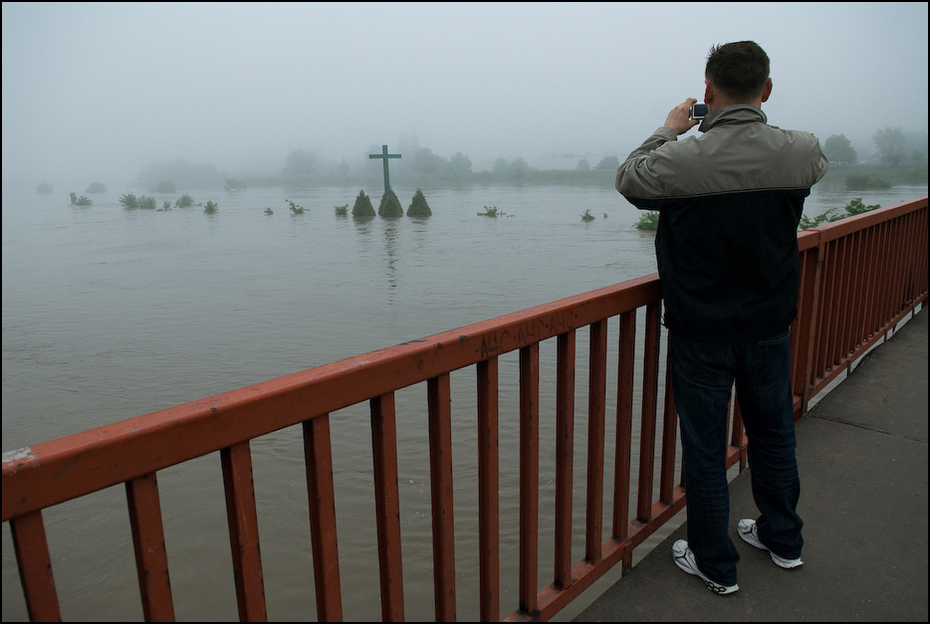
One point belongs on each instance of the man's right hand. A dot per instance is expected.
(679, 119)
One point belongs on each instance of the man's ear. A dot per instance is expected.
(709, 92)
(766, 90)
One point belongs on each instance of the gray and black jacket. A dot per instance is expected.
(729, 203)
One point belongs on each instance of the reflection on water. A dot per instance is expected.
(109, 313)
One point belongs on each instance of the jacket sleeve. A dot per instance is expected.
(640, 176)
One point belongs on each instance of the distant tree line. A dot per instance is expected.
(892, 146)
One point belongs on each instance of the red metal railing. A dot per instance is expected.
(861, 277)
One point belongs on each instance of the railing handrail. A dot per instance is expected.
(876, 261)
(81, 463)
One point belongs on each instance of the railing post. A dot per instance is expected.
(387, 506)
(440, 462)
(529, 477)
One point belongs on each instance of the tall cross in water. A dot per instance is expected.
(384, 155)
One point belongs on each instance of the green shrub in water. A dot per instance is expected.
(390, 206)
(418, 206)
(363, 207)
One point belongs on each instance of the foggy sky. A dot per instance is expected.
(97, 92)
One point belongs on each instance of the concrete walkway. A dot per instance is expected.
(862, 454)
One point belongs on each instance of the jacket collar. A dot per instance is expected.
(735, 113)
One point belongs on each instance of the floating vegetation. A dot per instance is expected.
(211, 208)
(418, 206)
(648, 221)
(269, 211)
(295, 208)
(363, 207)
(493, 212)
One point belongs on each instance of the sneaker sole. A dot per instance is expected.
(750, 538)
(680, 557)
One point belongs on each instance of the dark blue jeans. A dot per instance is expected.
(703, 375)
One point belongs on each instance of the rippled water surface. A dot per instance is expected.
(111, 313)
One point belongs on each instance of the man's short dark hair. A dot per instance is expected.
(738, 69)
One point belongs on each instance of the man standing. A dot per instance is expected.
(729, 203)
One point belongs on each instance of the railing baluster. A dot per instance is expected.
(148, 539)
(243, 532)
(529, 476)
(440, 459)
(669, 439)
(387, 506)
(318, 459)
(35, 567)
(647, 434)
(488, 492)
(564, 455)
(623, 447)
(597, 396)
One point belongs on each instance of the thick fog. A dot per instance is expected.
(100, 91)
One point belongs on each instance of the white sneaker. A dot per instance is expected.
(747, 530)
(684, 558)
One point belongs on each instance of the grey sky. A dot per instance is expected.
(98, 91)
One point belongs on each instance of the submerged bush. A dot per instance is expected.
(648, 221)
(83, 200)
(211, 208)
(295, 208)
(390, 206)
(129, 201)
(96, 187)
(854, 207)
(184, 201)
(587, 216)
(418, 206)
(363, 207)
(864, 181)
(342, 211)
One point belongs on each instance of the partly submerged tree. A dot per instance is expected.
(390, 206)
(608, 163)
(363, 207)
(459, 164)
(165, 187)
(96, 187)
(418, 206)
(839, 150)
(890, 143)
(300, 163)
